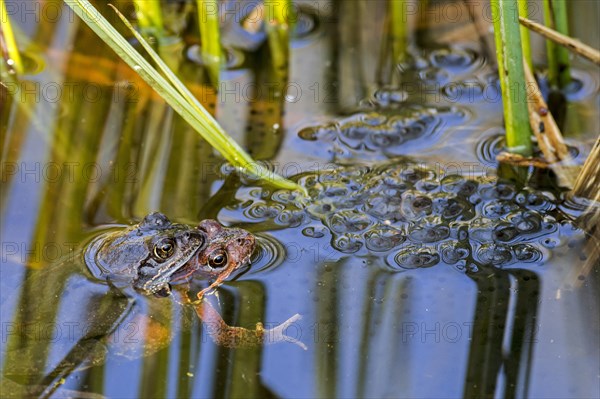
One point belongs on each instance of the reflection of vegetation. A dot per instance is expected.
(59, 221)
(103, 317)
(506, 307)
(265, 115)
(8, 42)
(175, 93)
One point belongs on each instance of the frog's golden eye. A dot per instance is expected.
(164, 248)
(217, 259)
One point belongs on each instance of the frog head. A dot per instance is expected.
(149, 255)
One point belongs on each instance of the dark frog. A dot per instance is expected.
(155, 253)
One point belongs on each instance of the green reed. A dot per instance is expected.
(398, 30)
(149, 15)
(559, 65)
(8, 38)
(208, 21)
(279, 21)
(174, 92)
(512, 76)
(525, 42)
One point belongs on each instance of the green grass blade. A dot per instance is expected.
(176, 95)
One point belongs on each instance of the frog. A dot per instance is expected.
(148, 256)
(157, 256)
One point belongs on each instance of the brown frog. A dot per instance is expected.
(154, 254)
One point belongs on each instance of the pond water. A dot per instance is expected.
(421, 267)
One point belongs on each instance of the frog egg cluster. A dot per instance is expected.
(368, 134)
(414, 218)
(394, 115)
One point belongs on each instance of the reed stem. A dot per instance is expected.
(9, 44)
(208, 21)
(559, 65)
(398, 29)
(525, 42)
(149, 15)
(280, 18)
(512, 76)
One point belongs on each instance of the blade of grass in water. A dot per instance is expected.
(208, 21)
(512, 76)
(14, 57)
(175, 94)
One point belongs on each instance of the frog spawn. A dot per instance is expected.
(414, 218)
(380, 133)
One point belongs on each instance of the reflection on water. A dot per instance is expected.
(434, 276)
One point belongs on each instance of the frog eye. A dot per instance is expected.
(164, 248)
(217, 259)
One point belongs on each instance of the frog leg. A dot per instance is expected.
(238, 337)
(218, 281)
